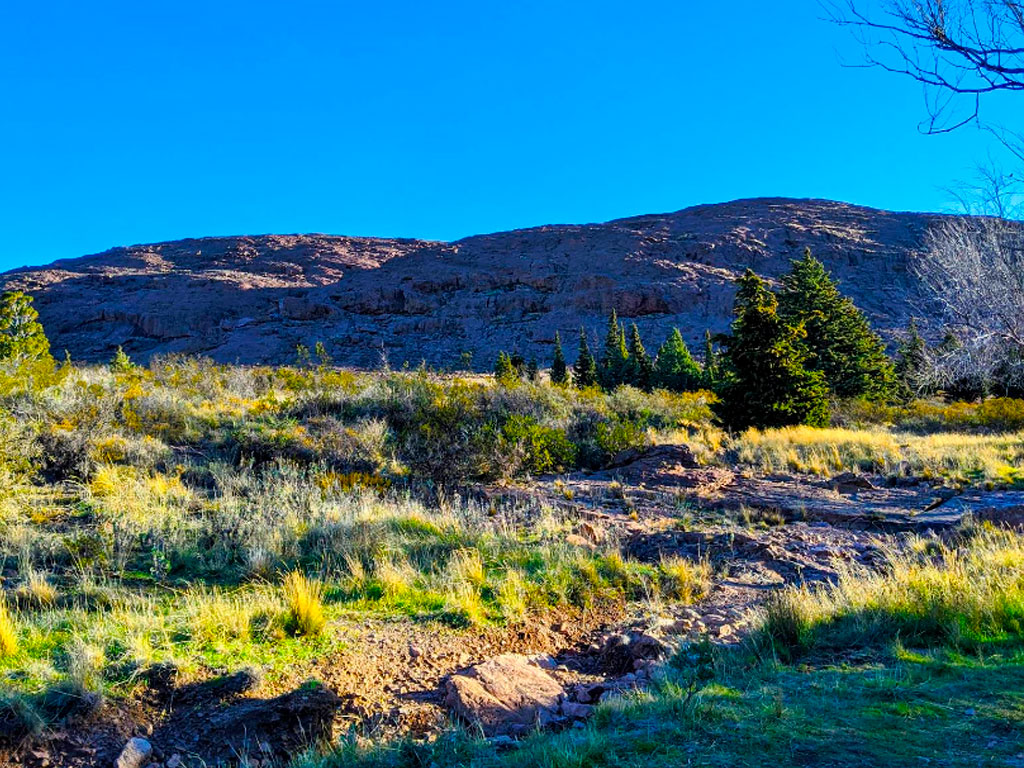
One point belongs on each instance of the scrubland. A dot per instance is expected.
(220, 517)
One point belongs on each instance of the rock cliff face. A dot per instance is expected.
(253, 299)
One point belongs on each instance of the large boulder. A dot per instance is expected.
(506, 695)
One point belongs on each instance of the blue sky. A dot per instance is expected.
(129, 122)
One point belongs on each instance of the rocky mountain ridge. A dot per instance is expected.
(252, 299)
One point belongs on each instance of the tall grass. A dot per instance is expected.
(8, 631)
(964, 594)
(683, 579)
(304, 598)
(963, 458)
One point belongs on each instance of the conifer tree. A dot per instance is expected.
(559, 370)
(614, 368)
(518, 364)
(532, 369)
(839, 341)
(911, 362)
(675, 368)
(22, 337)
(640, 368)
(710, 372)
(764, 382)
(504, 371)
(584, 371)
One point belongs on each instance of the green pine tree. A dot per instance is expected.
(911, 364)
(640, 368)
(764, 381)
(22, 337)
(675, 368)
(710, 372)
(839, 341)
(518, 364)
(614, 367)
(504, 371)
(559, 370)
(584, 371)
(532, 369)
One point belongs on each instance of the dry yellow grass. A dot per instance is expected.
(959, 457)
(8, 632)
(685, 580)
(964, 594)
(36, 591)
(304, 598)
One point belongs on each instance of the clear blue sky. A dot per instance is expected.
(128, 122)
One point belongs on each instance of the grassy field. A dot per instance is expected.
(220, 517)
(920, 666)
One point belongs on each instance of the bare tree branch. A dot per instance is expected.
(959, 50)
(975, 270)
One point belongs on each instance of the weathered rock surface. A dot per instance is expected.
(135, 754)
(504, 695)
(512, 694)
(252, 299)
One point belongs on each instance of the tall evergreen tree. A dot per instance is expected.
(559, 370)
(839, 341)
(710, 372)
(911, 362)
(504, 371)
(21, 334)
(764, 381)
(614, 367)
(532, 369)
(675, 368)
(640, 366)
(584, 371)
(518, 364)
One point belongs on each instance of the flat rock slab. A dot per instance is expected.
(845, 498)
(506, 695)
(914, 508)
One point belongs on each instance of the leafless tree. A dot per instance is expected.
(975, 270)
(992, 192)
(961, 51)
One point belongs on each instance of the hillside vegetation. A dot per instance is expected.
(173, 528)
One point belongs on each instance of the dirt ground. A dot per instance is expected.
(758, 534)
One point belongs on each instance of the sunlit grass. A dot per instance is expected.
(304, 598)
(963, 595)
(954, 456)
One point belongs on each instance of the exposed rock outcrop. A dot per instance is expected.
(252, 299)
(506, 695)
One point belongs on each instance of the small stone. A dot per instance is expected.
(414, 652)
(135, 753)
(577, 711)
(544, 661)
(725, 630)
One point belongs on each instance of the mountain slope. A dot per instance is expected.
(252, 299)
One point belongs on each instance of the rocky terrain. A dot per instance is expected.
(393, 678)
(253, 299)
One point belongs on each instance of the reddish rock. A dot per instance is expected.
(252, 299)
(505, 695)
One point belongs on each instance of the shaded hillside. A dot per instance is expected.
(253, 299)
